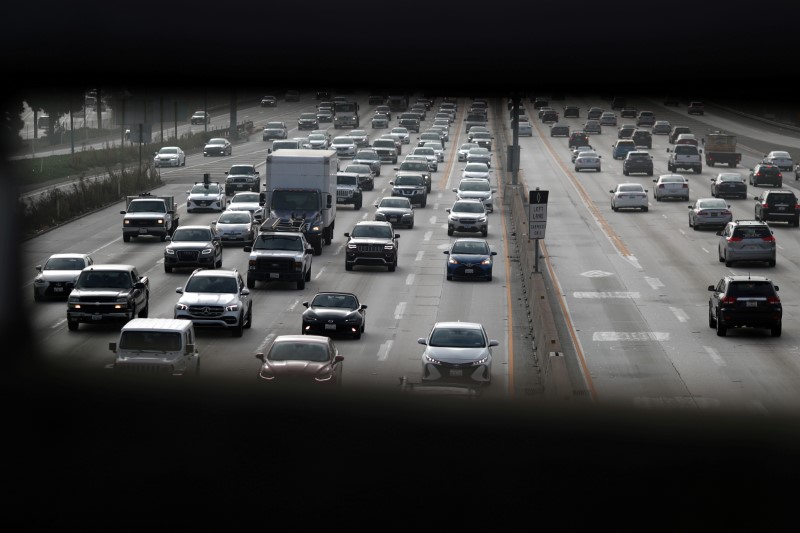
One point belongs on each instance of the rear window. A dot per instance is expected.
(751, 288)
(781, 199)
(686, 150)
(752, 232)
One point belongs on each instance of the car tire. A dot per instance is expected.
(145, 310)
(712, 322)
(163, 237)
(645, 209)
(219, 263)
(393, 267)
(72, 325)
(484, 233)
(625, 172)
(411, 226)
(251, 283)
(308, 275)
(301, 284)
(36, 296)
(238, 329)
(448, 277)
(348, 266)
(776, 330)
(771, 262)
(722, 330)
(728, 262)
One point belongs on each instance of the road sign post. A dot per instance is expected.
(537, 220)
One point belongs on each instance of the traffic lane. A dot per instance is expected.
(655, 280)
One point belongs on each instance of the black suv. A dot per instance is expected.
(242, 178)
(780, 206)
(371, 242)
(677, 130)
(638, 162)
(744, 302)
(578, 138)
(766, 174)
(410, 185)
(642, 138)
(572, 111)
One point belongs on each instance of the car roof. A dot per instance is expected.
(317, 339)
(458, 324)
(372, 223)
(207, 272)
(110, 266)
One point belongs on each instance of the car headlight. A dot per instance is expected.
(388, 247)
(207, 251)
(487, 261)
(481, 361)
(169, 251)
(452, 261)
(430, 359)
(380, 216)
(232, 307)
(482, 218)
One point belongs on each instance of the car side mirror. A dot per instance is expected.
(260, 356)
(711, 287)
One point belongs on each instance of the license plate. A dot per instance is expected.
(97, 316)
(455, 373)
(781, 208)
(393, 219)
(468, 271)
(142, 230)
(274, 275)
(58, 289)
(330, 326)
(752, 303)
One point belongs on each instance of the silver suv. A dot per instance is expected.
(216, 299)
(746, 240)
(468, 216)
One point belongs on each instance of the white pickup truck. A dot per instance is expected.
(685, 156)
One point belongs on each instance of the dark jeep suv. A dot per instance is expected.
(642, 138)
(779, 206)
(373, 243)
(744, 302)
(578, 138)
(766, 174)
(638, 162)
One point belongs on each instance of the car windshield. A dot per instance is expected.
(334, 300)
(64, 263)
(277, 242)
(212, 284)
(358, 133)
(245, 198)
(192, 234)
(211, 188)
(409, 180)
(395, 202)
(457, 338)
(470, 247)
(152, 341)
(368, 155)
(217, 141)
(102, 280)
(400, 131)
(235, 217)
(242, 169)
(343, 140)
(468, 207)
(299, 351)
(378, 232)
(413, 165)
(343, 179)
(304, 115)
(424, 151)
(358, 169)
(168, 151)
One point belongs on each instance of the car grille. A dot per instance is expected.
(369, 248)
(141, 222)
(144, 368)
(206, 311)
(187, 255)
(275, 264)
(344, 193)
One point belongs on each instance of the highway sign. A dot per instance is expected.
(537, 213)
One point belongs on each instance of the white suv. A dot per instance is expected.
(217, 299)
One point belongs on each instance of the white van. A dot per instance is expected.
(164, 346)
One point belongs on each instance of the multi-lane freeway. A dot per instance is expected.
(630, 288)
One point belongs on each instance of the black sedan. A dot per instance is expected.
(217, 146)
(332, 313)
(729, 184)
(269, 101)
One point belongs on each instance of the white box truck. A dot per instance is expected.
(300, 191)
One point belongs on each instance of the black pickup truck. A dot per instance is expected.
(108, 293)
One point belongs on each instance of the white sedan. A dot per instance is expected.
(671, 186)
(170, 156)
(629, 196)
(476, 170)
(588, 160)
(781, 159)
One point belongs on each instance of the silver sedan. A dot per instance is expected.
(588, 160)
(671, 186)
(709, 212)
